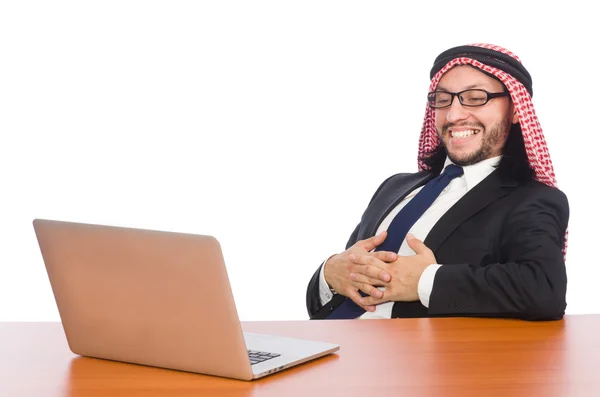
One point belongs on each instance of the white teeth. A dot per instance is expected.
(463, 134)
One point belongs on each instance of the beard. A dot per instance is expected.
(490, 140)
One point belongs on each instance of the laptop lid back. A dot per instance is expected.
(146, 297)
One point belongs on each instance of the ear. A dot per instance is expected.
(515, 115)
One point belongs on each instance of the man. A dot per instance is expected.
(487, 237)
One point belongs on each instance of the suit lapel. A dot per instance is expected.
(486, 192)
(390, 199)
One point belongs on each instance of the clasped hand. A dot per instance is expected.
(358, 268)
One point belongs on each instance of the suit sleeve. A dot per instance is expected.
(529, 283)
(313, 302)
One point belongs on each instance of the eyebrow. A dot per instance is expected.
(470, 86)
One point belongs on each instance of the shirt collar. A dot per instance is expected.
(475, 173)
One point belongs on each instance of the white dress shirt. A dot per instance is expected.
(458, 187)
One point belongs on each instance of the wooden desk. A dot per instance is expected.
(413, 357)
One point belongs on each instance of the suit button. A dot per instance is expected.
(330, 308)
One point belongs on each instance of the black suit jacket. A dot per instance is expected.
(500, 247)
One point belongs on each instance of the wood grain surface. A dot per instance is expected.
(408, 357)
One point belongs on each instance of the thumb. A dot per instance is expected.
(372, 242)
(417, 245)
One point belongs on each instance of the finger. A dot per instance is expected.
(359, 278)
(370, 301)
(385, 256)
(371, 267)
(365, 259)
(417, 245)
(356, 297)
(372, 242)
(373, 291)
(368, 288)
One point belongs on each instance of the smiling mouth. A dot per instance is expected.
(464, 133)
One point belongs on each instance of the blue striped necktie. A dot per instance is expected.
(399, 227)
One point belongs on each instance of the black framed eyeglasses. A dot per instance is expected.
(472, 97)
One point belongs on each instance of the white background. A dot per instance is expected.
(266, 124)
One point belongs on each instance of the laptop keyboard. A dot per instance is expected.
(258, 357)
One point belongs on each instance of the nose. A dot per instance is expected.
(456, 112)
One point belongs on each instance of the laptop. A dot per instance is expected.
(159, 299)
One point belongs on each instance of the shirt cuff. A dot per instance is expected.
(325, 293)
(426, 284)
